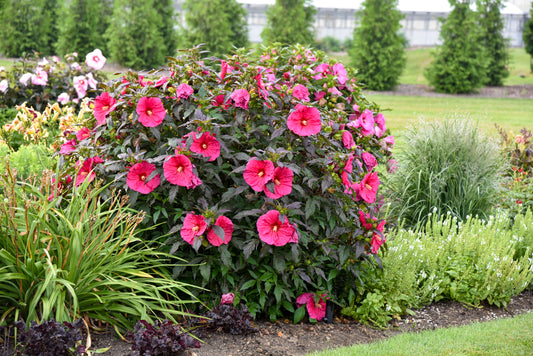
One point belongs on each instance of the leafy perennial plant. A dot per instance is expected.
(255, 169)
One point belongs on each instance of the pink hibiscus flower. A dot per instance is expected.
(4, 85)
(227, 225)
(224, 69)
(377, 240)
(63, 98)
(366, 122)
(369, 187)
(380, 121)
(272, 231)
(81, 85)
(241, 97)
(193, 225)
(68, 147)
(300, 92)
(282, 181)
(322, 71)
(304, 121)
(151, 111)
(95, 59)
(138, 175)
(370, 160)
(206, 145)
(161, 81)
(389, 140)
(40, 77)
(219, 101)
(316, 310)
(257, 173)
(340, 72)
(347, 140)
(85, 172)
(178, 170)
(365, 220)
(183, 91)
(103, 105)
(227, 298)
(195, 181)
(83, 134)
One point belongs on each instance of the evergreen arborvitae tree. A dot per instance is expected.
(219, 24)
(527, 37)
(83, 25)
(27, 26)
(133, 35)
(165, 8)
(290, 22)
(459, 65)
(378, 51)
(496, 52)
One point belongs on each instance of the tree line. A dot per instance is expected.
(140, 34)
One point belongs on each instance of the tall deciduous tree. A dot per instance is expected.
(459, 65)
(527, 37)
(167, 13)
(378, 51)
(134, 37)
(496, 52)
(290, 22)
(27, 26)
(219, 24)
(82, 27)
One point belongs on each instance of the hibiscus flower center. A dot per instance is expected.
(367, 186)
(105, 108)
(275, 228)
(304, 122)
(276, 181)
(96, 59)
(204, 146)
(142, 177)
(195, 229)
(180, 169)
(261, 173)
(149, 112)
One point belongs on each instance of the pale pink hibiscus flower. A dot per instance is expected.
(380, 122)
(227, 298)
(63, 98)
(304, 120)
(151, 111)
(178, 170)
(206, 145)
(340, 72)
(4, 85)
(193, 225)
(25, 78)
(183, 91)
(103, 105)
(281, 182)
(227, 226)
(81, 85)
(137, 178)
(95, 59)
(389, 140)
(369, 187)
(40, 77)
(272, 231)
(241, 97)
(161, 81)
(366, 122)
(300, 92)
(316, 310)
(91, 81)
(257, 173)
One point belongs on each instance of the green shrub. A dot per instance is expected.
(449, 166)
(470, 262)
(29, 160)
(75, 257)
(7, 115)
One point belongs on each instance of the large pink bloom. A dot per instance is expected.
(370, 160)
(366, 122)
(316, 311)
(300, 92)
(369, 187)
(178, 170)
(95, 59)
(257, 173)
(138, 175)
(206, 145)
(81, 85)
(347, 140)
(103, 105)
(227, 225)
(340, 72)
(377, 240)
(68, 147)
(151, 111)
(183, 91)
(272, 231)
(85, 172)
(304, 121)
(40, 77)
(241, 97)
(282, 183)
(193, 225)
(83, 134)
(380, 121)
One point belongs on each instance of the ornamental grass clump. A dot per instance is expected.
(254, 168)
(449, 166)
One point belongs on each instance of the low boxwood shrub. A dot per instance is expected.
(259, 169)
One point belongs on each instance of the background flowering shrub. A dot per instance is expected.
(252, 167)
(39, 81)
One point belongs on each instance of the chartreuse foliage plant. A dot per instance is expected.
(259, 169)
(79, 256)
(446, 165)
(470, 262)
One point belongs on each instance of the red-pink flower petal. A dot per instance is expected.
(347, 140)
(83, 133)
(227, 225)
(178, 170)
(183, 91)
(272, 231)
(304, 121)
(85, 172)
(370, 160)
(103, 105)
(68, 147)
(282, 180)
(206, 145)
(300, 92)
(138, 175)
(193, 225)
(241, 97)
(257, 173)
(151, 111)
(369, 187)
(303, 299)
(316, 310)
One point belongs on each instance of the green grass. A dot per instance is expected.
(513, 336)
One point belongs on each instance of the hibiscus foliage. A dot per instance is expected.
(259, 169)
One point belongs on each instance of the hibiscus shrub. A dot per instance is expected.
(40, 81)
(259, 169)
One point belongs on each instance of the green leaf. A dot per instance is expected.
(248, 284)
(299, 314)
(277, 293)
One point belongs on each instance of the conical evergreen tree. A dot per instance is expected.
(527, 37)
(133, 35)
(496, 52)
(167, 13)
(219, 24)
(459, 65)
(290, 22)
(82, 27)
(378, 51)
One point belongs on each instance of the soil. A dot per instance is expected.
(284, 338)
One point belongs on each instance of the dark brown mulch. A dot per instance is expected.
(508, 91)
(285, 338)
